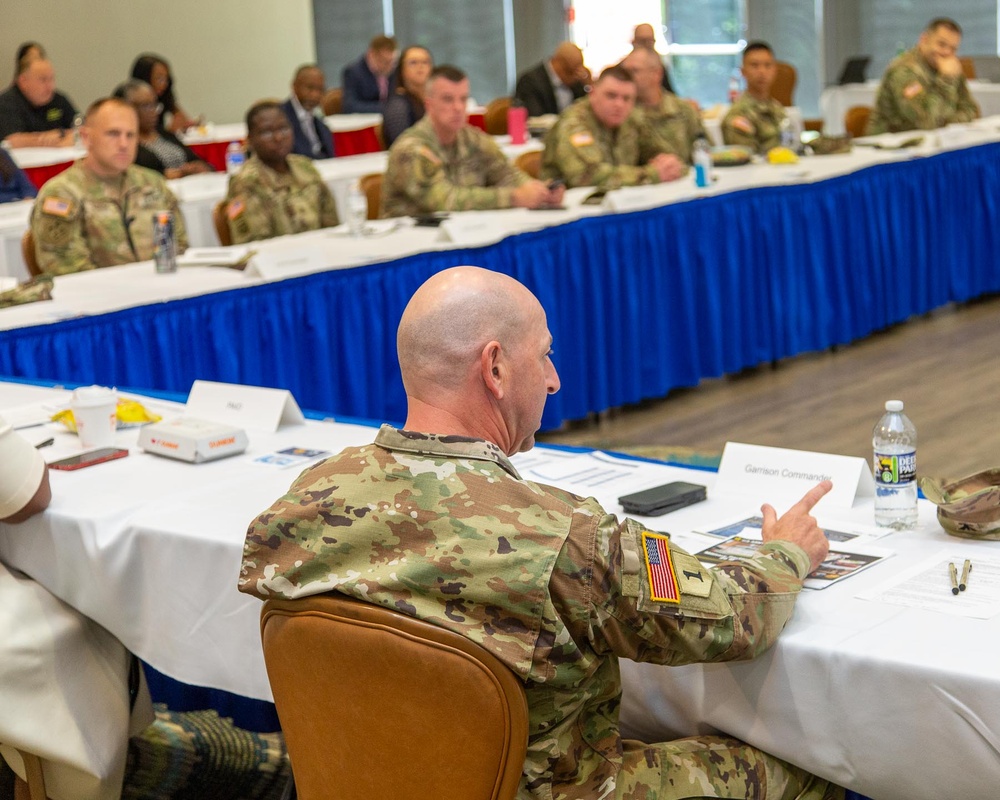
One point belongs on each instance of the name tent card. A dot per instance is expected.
(633, 198)
(469, 229)
(282, 262)
(777, 475)
(243, 406)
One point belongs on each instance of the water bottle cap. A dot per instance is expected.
(893, 405)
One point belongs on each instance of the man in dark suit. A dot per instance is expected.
(368, 82)
(551, 86)
(312, 138)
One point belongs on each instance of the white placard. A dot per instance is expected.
(280, 262)
(469, 229)
(243, 406)
(776, 475)
(633, 198)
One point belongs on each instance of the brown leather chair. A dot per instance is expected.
(371, 185)
(783, 88)
(376, 704)
(968, 68)
(29, 255)
(332, 102)
(495, 116)
(856, 120)
(220, 219)
(530, 162)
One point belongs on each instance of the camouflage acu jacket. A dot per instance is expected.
(444, 529)
(583, 152)
(262, 203)
(424, 175)
(676, 122)
(82, 222)
(913, 95)
(754, 123)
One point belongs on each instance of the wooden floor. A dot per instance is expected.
(944, 366)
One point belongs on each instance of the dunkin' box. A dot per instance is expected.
(193, 440)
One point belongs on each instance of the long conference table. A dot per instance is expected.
(891, 701)
(674, 286)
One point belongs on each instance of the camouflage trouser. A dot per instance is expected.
(714, 766)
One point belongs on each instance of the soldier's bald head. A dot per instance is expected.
(449, 320)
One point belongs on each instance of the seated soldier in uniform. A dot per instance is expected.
(433, 520)
(276, 192)
(443, 164)
(99, 212)
(755, 119)
(601, 141)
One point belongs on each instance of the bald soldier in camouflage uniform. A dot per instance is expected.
(664, 113)
(925, 88)
(443, 528)
(443, 164)
(755, 119)
(601, 141)
(99, 212)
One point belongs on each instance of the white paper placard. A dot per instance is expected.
(777, 475)
(469, 229)
(285, 262)
(633, 198)
(243, 406)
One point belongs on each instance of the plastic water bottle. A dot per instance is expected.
(787, 133)
(702, 160)
(235, 157)
(357, 209)
(894, 443)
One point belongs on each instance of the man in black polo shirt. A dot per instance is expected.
(32, 112)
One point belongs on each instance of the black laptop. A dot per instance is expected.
(854, 70)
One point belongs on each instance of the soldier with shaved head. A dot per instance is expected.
(433, 520)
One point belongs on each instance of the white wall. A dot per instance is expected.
(224, 54)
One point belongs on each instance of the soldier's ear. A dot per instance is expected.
(493, 369)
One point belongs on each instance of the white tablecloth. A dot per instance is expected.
(835, 100)
(892, 702)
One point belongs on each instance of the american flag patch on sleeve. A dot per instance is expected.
(659, 567)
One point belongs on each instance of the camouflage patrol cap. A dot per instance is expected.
(968, 507)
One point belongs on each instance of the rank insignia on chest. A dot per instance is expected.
(660, 568)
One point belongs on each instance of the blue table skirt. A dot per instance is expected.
(638, 303)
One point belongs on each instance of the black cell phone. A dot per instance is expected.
(90, 458)
(662, 499)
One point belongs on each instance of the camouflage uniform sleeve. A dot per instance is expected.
(501, 172)
(738, 128)
(180, 226)
(908, 101)
(247, 211)
(572, 153)
(57, 225)
(967, 109)
(732, 612)
(328, 217)
(418, 174)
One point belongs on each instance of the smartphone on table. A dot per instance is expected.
(89, 458)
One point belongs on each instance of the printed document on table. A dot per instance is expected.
(928, 586)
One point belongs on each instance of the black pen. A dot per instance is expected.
(47, 442)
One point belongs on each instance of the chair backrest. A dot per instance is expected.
(495, 116)
(332, 102)
(33, 785)
(968, 68)
(220, 218)
(856, 120)
(783, 88)
(530, 162)
(29, 254)
(374, 703)
(371, 185)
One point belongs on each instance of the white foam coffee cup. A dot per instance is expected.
(95, 412)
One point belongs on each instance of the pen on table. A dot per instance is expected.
(47, 442)
(954, 578)
(965, 575)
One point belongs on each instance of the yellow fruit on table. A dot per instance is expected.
(781, 155)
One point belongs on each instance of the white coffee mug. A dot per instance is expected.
(95, 411)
